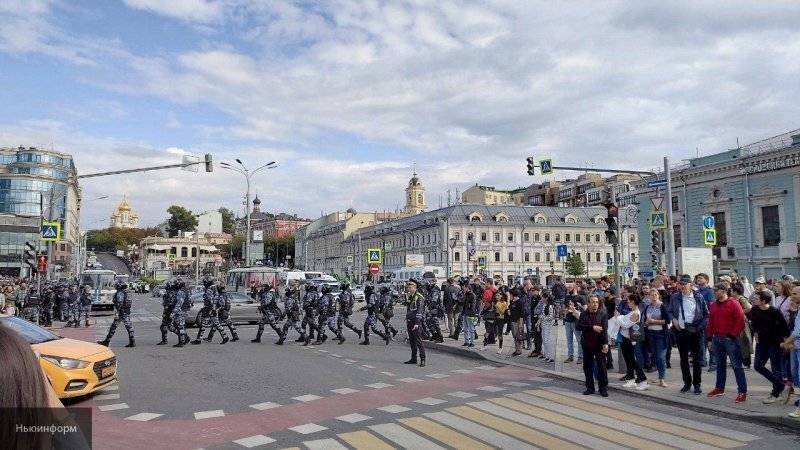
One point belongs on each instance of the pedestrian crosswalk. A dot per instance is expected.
(548, 418)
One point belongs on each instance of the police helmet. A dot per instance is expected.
(326, 289)
(344, 285)
(384, 289)
(208, 282)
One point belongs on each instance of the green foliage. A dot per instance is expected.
(181, 219)
(112, 239)
(228, 220)
(281, 246)
(575, 266)
(232, 250)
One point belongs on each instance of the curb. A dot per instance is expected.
(779, 420)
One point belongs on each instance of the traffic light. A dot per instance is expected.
(42, 263)
(531, 166)
(611, 223)
(655, 241)
(30, 256)
(209, 163)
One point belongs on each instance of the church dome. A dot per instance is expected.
(256, 201)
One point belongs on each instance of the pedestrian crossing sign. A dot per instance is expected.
(50, 231)
(546, 165)
(710, 237)
(658, 220)
(374, 256)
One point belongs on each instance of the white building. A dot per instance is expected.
(179, 254)
(209, 222)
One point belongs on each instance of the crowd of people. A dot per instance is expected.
(730, 323)
(13, 292)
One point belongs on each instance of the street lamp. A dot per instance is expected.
(247, 175)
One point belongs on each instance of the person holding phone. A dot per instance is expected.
(593, 324)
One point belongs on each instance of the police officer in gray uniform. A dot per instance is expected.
(183, 303)
(311, 307)
(434, 310)
(373, 308)
(223, 312)
(346, 301)
(208, 314)
(73, 306)
(387, 311)
(85, 304)
(328, 316)
(122, 304)
(168, 306)
(31, 307)
(270, 312)
(292, 308)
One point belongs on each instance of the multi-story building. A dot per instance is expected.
(509, 240)
(489, 195)
(752, 192)
(619, 184)
(178, 253)
(209, 222)
(124, 216)
(545, 194)
(37, 184)
(283, 225)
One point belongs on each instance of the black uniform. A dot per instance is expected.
(86, 304)
(222, 307)
(415, 313)
(434, 310)
(270, 312)
(328, 307)
(311, 309)
(373, 307)
(168, 305)
(387, 312)
(292, 309)
(122, 306)
(208, 314)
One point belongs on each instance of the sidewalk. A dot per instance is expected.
(753, 409)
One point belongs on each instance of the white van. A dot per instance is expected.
(302, 277)
(404, 274)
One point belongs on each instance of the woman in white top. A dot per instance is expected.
(632, 331)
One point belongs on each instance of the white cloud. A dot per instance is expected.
(202, 11)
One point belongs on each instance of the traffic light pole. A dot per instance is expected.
(207, 162)
(670, 231)
(617, 278)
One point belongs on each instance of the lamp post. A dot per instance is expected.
(247, 175)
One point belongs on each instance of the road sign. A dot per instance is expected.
(546, 165)
(172, 256)
(646, 274)
(609, 269)
(374, 256)
(482, 262)
(349, 259)
(50, 231)
(374, 269)
(657, 202)
(530, 271)
(656, 183)
(658, 220)
(710, 237)
(709, 223)
(562, 250)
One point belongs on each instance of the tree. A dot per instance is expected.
(575, 266)
(276, 250)
(234, 249)
(228, 220)
(181, 219)
(111, 239)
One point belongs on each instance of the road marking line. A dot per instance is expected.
(254, 441)
(308, 428)
(367, 366)
(335, 355)
(475, 430)
(351, 360)
(388, 374)
(265, 406)
(379, 385)
(209, 414)
(598, 431)
(410, 380)
(324, 444)
(437, 376)
(307, 398)
(486, 367)
(624, 415)
(491, 389)
(110, 388)
(516, 384)
(403, 437)
(463, 371)
(345, 391)
(364, 440)
(348, 363)
(143, 417)
(113, 407)
(443, 434)
(353, 418)
(559, 431)
(540, 379)
(462, 394)
(322, 351)
(106, 397)
(394, 409)
(430, 401)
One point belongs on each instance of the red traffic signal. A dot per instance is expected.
(42, 264)
(613, 210)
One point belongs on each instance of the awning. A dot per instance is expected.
(208, 248)
(158, 247)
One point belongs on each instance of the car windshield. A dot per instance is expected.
(30, 332)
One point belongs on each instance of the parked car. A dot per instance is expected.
(158, 291)
(358, 293)
(243, 309)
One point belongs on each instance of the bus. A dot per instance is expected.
(240, 279)
(101, 282)
(404, 274)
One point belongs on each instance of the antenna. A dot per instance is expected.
(448, 197)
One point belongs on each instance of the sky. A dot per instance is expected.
(346, 96)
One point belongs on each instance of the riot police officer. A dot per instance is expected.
(311, 307)
(387, 311)
(122, 305)
(73, 307)
(292, 310)
(434, 310)
(415, 312)
(328, 315)
(32, 305)
(208, 314)
(373, 308)
(168, 301)
(346, 301)
(223, 311)
(85, 304)
(270, 312)
(46, 307)
(183, 303)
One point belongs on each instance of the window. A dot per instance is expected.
(567, 237)
(770, 221)
(457, 256)
(719, 224)
(677, 230)
(527, 257)
(537, 257)
(547, 237)
(588, 237)
(675, 204)
(633, 257)
(510, 237)
(194, 252)
(497, 237)
(510, 257)
(577, 237)
(496, 256)
(547, 256)
(588, 257)
(184, 252)
(470, 237)
(608, 257)
(597, 237)
(457, 236)
(483, 237)
(558, 237)
(535, 237)
(597, 257)
(526, 237)
(173, 251)
(633, 238)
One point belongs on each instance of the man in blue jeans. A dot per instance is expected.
(575, 301)
(701, 284)
(725, 322)
(472, 304)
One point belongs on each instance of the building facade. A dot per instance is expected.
(753, 193)
(37, 184)
(178, 254)
(283, 225)
(124, 216)
(500, 241)
(209, 222)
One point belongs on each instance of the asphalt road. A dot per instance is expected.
(350, 396)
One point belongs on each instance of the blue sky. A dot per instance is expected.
(345, 95)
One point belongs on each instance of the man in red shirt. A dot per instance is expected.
(725, 322)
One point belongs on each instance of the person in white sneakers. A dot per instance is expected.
(632, 329)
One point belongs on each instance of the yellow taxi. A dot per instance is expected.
(73, 367)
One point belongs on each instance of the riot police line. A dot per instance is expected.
(57, 300)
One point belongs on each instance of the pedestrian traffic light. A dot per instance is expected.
(531, 166)
(30, 255)
(654, 261)
(655, 241)
(209, 163)
(612, 223)
(42, 263)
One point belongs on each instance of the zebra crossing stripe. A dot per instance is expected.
(481, 432)
(364, 440)
(403, 437)
(324, 444)
(443, 434)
